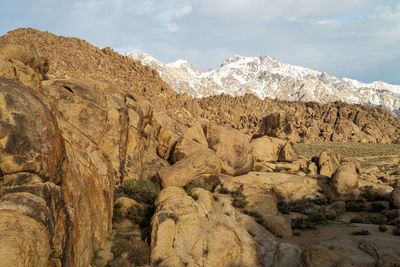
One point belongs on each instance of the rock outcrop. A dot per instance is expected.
(232, 148)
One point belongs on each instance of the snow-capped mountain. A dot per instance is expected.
(267, 77)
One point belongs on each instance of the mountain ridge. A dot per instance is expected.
(265, 76)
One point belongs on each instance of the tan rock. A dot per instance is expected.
(189, 232)
(232, 148)
(288, 153)
(288, 186)
(193, 139)
(278, 225)
(317, 256)
(266, 149)
(125, 203)
(329, 161)
(202, 166)
(344, 183)
(395, 198)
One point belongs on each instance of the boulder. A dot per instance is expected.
(266, 149)
(202, 166)
(196, 233)
(276, 125)
(344, 183)
(193, 139)
(125, 203)
(395, 198)
(288, 153)
(288, 186)
(278, 225)
(232, 148)
(328, 162)
(339, 207)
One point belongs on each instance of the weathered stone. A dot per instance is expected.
(125, 203)
(202, 166)
(232, 148)
(266, 149)
(278, 225)
(288, 153)
(395, 198)
(188, 232)
(329, 161)
(344, 183)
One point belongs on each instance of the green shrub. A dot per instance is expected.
(198, 184)
(138, 251)
(382, 228)
(193, 195)
(396, 230)
(302, 224)
(117, 213)
(355, 205)
(257, 216)
(239, 200)
(361, 232)
(143, 191)
(377, 207)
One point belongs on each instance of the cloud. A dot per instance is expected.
(183, 11)
(171, 27)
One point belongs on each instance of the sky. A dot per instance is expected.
(358, 39)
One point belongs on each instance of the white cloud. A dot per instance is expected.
(171, 27)
(183, 11)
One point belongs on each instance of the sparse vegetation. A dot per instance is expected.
(96, 257)
(257, 216)
(361, 232)
(117, 213)
(143, 191)
(302, 224)
(377, 207)
(138, 252)
(382, 228)
(396, 230)
(349, 149)
(239, 200)
(356, 205)
(141, 215)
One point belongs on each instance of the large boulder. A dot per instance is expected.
(395, 198)
(344, 183)
(232, 148)
(288, 153)
(195, 233)
(202, 166)
(193, 139)
(288, 186)
(328, 162)
(267, 149)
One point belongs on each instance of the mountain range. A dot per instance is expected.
(265, 76)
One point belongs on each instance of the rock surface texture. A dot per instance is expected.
(77, 122)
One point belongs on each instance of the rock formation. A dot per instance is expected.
(78, 123)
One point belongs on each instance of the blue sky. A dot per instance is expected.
(358, 39)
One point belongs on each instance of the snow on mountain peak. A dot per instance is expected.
(265, 76)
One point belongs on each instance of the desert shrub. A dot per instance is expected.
(223, 190)
(143, 191)
(96, 256)
(394, 222)
(361, 232)
(357, 220)
(198, 184)
(316, 216)
(356, 205)
(138, 252)
(370, 196)
(141, 215)
(117, 213)
(239, 200)
(257, 216)
(192, 195)
(320, 201)
(382, 228)
(377, 207)
(396, 230)
(283, 207)
(302, 224)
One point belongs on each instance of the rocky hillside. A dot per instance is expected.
(301, 121)
(267, 77)
(103, 164)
